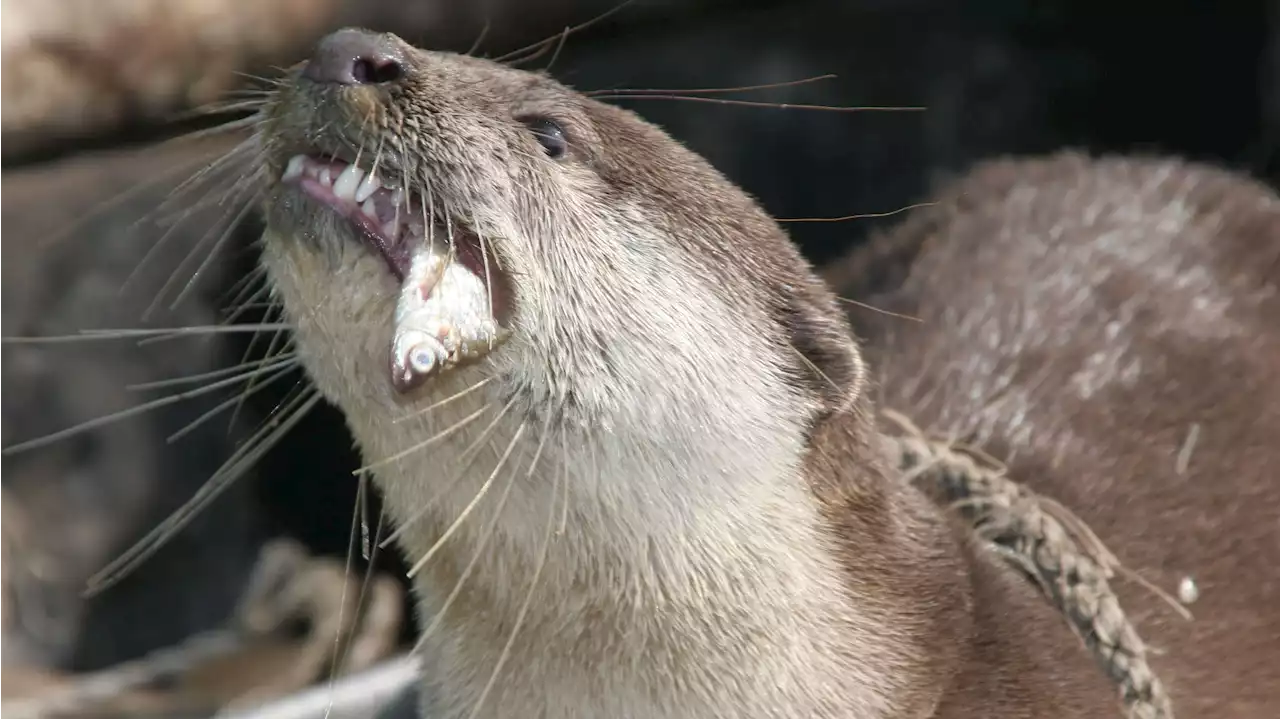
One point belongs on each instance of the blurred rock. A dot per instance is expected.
(79, 68)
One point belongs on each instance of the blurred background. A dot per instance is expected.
(247, 599)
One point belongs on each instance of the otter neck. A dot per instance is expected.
(670, 559)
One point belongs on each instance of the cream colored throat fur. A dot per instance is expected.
(687, 575)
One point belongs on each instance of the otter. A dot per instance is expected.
(1106, 327)
(623, 428)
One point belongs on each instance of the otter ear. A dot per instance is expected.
(827, 363)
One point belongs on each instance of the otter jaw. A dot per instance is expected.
(444, 314)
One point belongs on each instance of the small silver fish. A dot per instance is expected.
(442, 319)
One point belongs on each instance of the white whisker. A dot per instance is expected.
(432, 407)
(464, 461)
(123, 414)
(443, 434)
(191, 379)
(223, 406)
(116, 334)
(240, 462)
(484, 539)
(475, 501)
(562, 478)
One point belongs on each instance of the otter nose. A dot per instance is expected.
(356, 57)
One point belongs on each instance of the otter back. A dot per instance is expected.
(1108, 328)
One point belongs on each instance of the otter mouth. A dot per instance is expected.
(393, 221)
(445, 313)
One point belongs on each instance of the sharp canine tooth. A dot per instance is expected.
(326, 175)
(368, 208)
(294, 169)
(368, 187)
(345, 186)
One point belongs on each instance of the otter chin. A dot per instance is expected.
(620, 424)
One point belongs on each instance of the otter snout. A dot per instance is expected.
(354, 56)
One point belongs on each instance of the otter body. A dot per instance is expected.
(623, 428)
(1108, 329)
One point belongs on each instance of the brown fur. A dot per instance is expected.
(664, 323)
(1079, 316)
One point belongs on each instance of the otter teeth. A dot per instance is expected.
(293, 171)
(344, 188)
(352, 184)
(382, 212)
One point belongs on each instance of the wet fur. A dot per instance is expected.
(730, 545)
(1079, 317)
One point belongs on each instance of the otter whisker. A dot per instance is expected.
(235, 466)
(238, 101)
(863, 216)
(271, 350)
(616, 92)
(761, 103)
(469, 454)
(564, 454)
(488, 277)
(881, 310)
(132, 192)
(259, 299)
(428, 212)
(263, 92)
(485, 535)
(341, 653)
(231, 126)
(246, 147)
(241, 156)
(817, 370)
(101, 335)
(265, 305)
(235, 295)
(564, 37)
(212, 374)
(452, 255)
(377, 159)
(475, 501)
(440, 403)
(475, 45)
(463, 463)
(340, 626)
(540, 47)
(190, 183)
(237, 401)
(274, 82)
(249, 205)
(96, 422)
(561, 478)
(443, 434)
(362, 508)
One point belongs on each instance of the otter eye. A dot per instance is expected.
(550, 136)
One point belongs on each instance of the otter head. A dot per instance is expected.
(438, 220)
